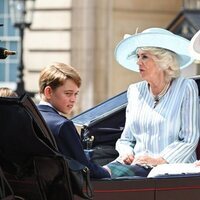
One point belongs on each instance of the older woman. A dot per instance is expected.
(163, 110)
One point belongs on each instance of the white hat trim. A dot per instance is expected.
(195, 46)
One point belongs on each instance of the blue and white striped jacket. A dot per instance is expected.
(170, 130)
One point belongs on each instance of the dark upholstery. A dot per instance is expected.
(28, 153)
(197, 79)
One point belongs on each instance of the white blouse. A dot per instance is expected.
(170, 130)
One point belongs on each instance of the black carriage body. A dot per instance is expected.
(105, 121)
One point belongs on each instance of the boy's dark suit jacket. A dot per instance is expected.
(68, 139)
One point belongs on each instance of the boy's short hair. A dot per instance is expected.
(55, 75)
(7, 92)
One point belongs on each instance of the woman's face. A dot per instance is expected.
(147, 66)
(64, 97)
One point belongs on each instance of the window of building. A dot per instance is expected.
(9, 39)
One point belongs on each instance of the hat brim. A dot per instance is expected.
(195, 46)
(171, 42)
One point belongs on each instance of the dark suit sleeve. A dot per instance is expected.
(69, 144)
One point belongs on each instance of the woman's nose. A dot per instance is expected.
(138, 61)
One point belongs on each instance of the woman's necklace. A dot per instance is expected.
(160, 95)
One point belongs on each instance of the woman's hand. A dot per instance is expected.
(149, 160)
(197, 163)
(126, 158)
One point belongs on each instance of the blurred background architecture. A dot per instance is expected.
(84, 33)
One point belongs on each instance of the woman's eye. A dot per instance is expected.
(144, 57)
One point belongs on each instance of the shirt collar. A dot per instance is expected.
(48, 104)
(45, 103)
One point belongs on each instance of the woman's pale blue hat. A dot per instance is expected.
(125, 51)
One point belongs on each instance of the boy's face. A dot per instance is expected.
(64, 97)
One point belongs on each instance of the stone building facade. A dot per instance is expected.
(84, 33)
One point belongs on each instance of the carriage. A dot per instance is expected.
(32, 167)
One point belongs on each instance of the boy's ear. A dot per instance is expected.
(48, 92)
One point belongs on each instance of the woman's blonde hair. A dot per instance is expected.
(55, 75)
(166, 60)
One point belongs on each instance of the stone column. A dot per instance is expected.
(82, 57)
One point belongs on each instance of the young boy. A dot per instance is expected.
(59, 87)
